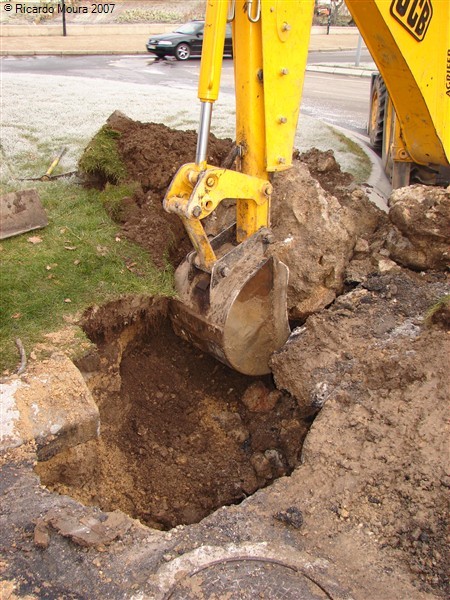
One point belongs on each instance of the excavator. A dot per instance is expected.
(231, 290)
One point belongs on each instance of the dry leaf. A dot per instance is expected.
(16, 316)
(76, 262)
(34, 239)
(70, 247)
(67, 300)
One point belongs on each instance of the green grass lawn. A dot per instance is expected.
(78, 260)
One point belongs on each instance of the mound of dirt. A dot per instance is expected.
(316, 245)
(151, 154)
(380, 450)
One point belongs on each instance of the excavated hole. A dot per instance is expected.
(181, 435)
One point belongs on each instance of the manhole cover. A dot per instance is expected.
(245, 579)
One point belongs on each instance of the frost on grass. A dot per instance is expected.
(40, 115)
(67, 111)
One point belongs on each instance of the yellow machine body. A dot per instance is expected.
(409, 41)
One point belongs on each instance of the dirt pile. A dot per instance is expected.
(316, 245)
(380, 445)
(151, 154)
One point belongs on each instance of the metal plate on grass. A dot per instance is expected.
(20, 212)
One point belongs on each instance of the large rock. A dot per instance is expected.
(337, 349)
(420, 238)
(49, 405)
(315, 235)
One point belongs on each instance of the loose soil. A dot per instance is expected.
(183, 436)
(151, 154)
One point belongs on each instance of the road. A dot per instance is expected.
(336, 99)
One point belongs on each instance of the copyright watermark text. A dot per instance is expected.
(52, 8)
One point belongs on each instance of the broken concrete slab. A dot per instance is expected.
(420, 237)
(49, 404)
(85, 527)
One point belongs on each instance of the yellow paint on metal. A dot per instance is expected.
(194, 194)
(408, 39)
(205, 254)
(410, 43)
(286, 26)
(215, 184)
(250, 121)
(270, 60)
(212, 52)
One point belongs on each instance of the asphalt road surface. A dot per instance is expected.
(336, 99)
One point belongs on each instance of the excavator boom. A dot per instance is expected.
(231, 290)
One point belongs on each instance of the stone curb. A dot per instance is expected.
(112, 52)
(54, 408)
(337, 70)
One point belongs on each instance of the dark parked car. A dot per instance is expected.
(185, 42)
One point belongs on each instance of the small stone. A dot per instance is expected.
(261, 465)
(361, 245)
(358, 194)
(445, 481)
(41, 535)
(276, 460)
(373, 499)
(424, 537)
(291, 516)
(258, 398)
(385, 265)
(326, 163)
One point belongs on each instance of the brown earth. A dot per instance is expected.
(182, 434)
(152, 153)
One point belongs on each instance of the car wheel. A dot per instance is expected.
(182, 52)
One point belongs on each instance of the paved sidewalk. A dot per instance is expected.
(135, 43)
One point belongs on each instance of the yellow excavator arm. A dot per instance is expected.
(232, 293)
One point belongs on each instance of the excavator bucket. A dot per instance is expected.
(238, 311)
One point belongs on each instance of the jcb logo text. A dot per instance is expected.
(413, 15)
